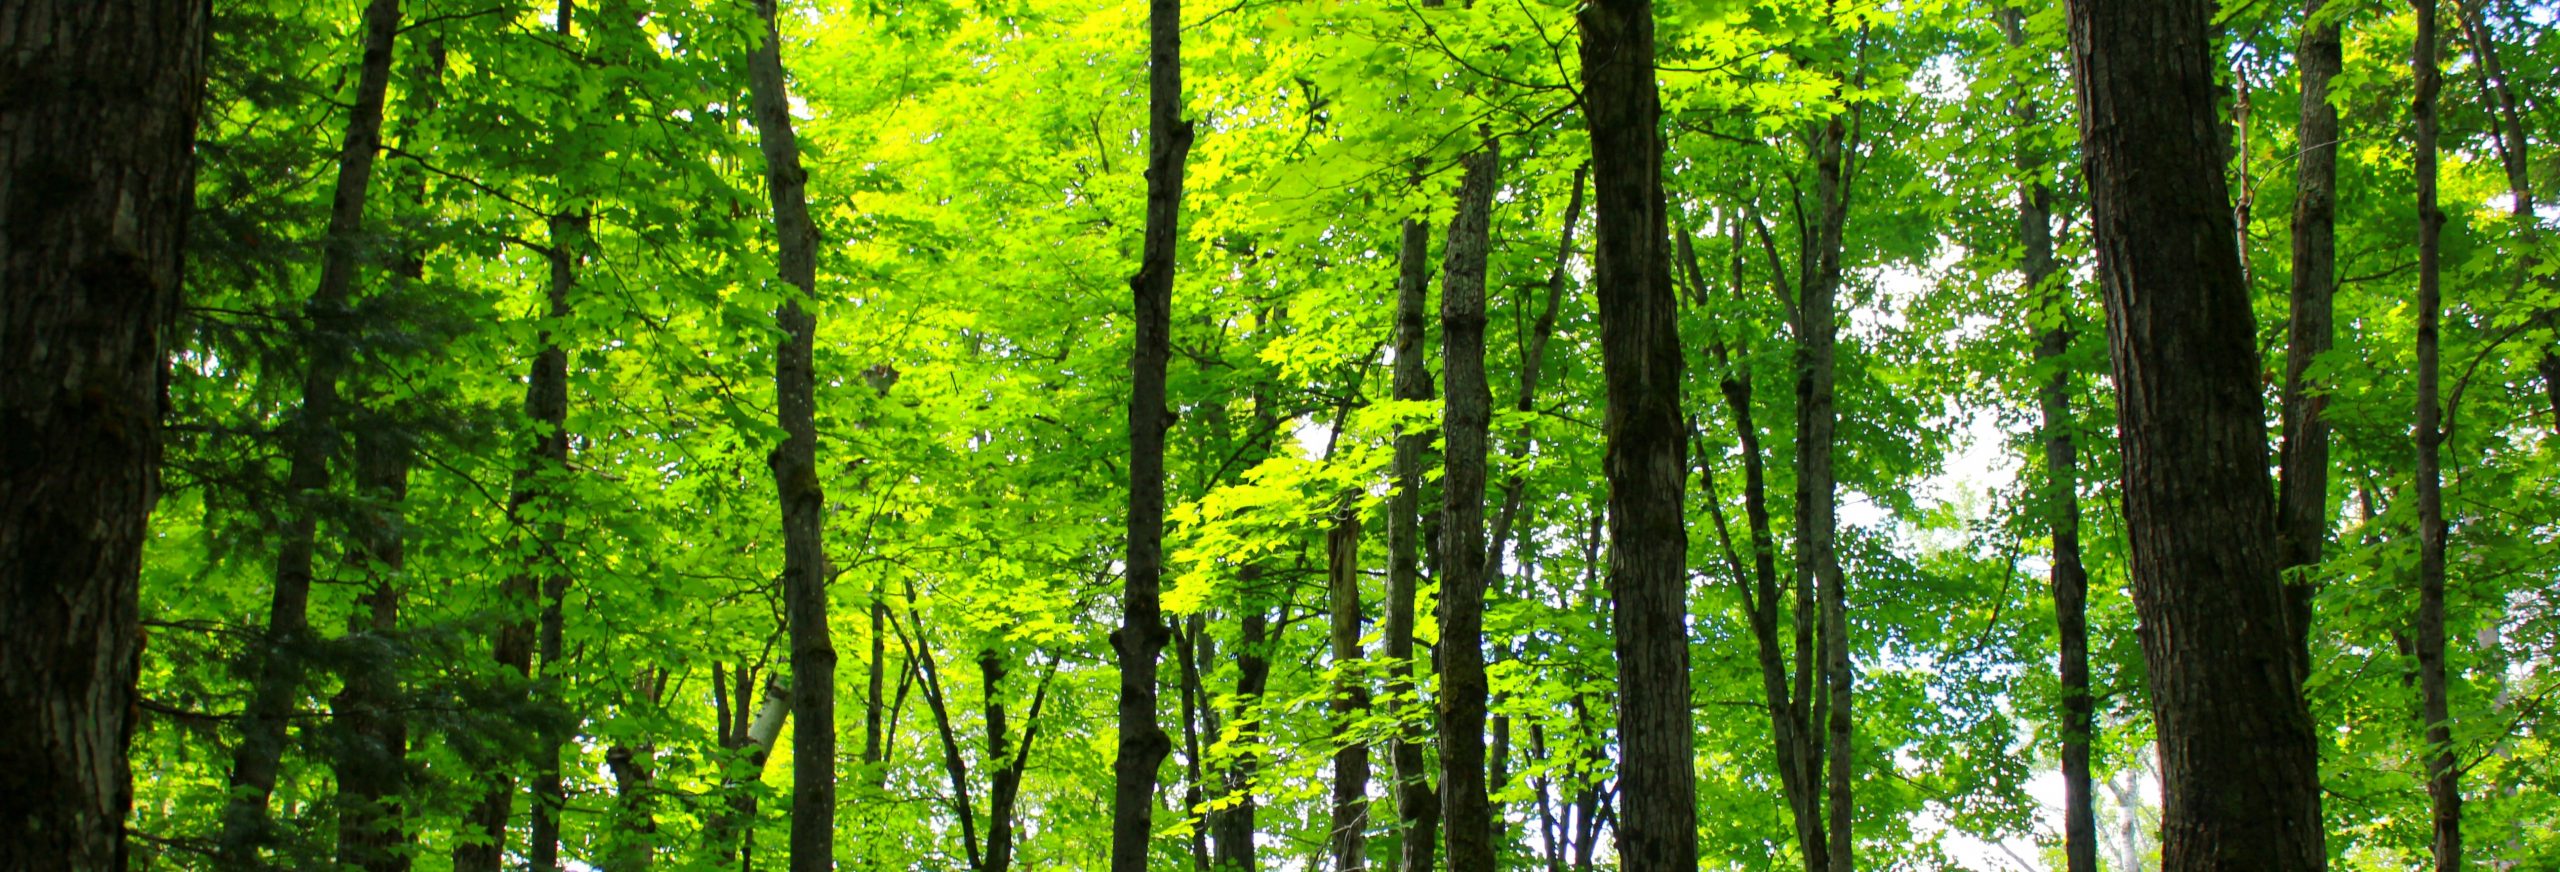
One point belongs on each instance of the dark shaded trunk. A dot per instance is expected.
(795, 467)
(314, 442)
(634, 818)
(1005, 787)
(1349, 840)
(1640, 361)
(1417, 809)
(2049, 295)
(1466, 810)
(2444, 779)
(373, 735)
(2302, 501)
(97, 164)
(1142, 744)
(2238, 756)
(1817, 498)
(551, 458)
(1186, 656)
(1231, 829)
(955, 765)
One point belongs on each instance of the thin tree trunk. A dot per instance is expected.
(2303, 488)
(2051, 298)
(1799, 757)
(1195, 709)
(1005, 788)
(1349, 842)
(1142, 744)
(314, 440)
(954, 763)
(2444, 786)
(551, 421)
(100, 179)
(2514, 147)
(748, 735)
(1417, 809)
(1533, 357)
(2238, 754)
(1640, 361)
(1467, 813)
(795, 467)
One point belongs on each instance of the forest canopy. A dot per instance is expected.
(1280, 434)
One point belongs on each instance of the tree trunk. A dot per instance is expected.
(1142, 633)
(2303, 489)
(2238, 755)
(314, 440)
(635, 824)
(1467, 812)
(1349, 843)
(795, 467)
(2444, 786)
(97, 164)
(2514, 146)
(1817, 500)
(1232, 828)
(1799, 757)
(1417, 809)
(374, 737)
(551, 458)
(1005, 788)
(749, 736)
(2052, 300)
(1640, 361)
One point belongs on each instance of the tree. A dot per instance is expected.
(2444, 780)
(255, 763)
(1467, 813)
(1640, 354)
(2238, 756)
(98, 161)
(1142, 633)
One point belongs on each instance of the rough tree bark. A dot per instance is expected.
(2303, 485)
(795, 466)
(97, 173)
(1817, 498)
(2051, 298)
(2238, 756)
(1640, 361)
(314, 441)
(2444, 779)
(1417, 808)
(1466, 810)
(1349, 843)
(1142, 634)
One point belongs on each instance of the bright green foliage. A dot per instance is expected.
(976, 176)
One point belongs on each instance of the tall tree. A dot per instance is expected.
(2302, 501)
(1348, 844)
(2514, 145)
(2051, 299)
(257, 760)
(2444, 779)
(2238, 755)
(1142, 633)
(1467, 417)
(795, 465)
(1817, 485)
(97, 157)
(1640, 362)
(1417, 809)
